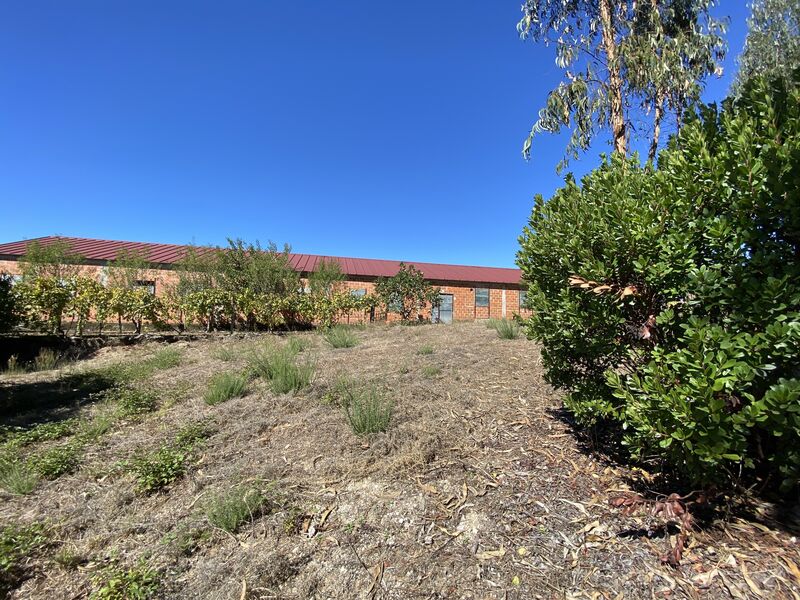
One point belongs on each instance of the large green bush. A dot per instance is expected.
(9, 315)
(668, 300)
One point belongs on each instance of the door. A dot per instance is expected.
(444, 312)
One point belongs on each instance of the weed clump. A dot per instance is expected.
(282, 369)
(17, 543)
(57, 461)
(340, 337)
(366, 407)
(507, 329)
(425, 350)
(46, 360)
(117, 583)
(16, 477)
(225, 386)
(155, 470)
(431, 371)
(131, 401)
(231, 509)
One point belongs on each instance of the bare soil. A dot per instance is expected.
(479, 489)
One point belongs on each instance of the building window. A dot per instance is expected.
(358, 293)
(523, 298)
(149, 285)
(481, 296)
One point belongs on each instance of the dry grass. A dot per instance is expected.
(477, 488)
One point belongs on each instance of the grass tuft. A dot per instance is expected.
(225, 386)
(367, 409)
(13, 367)
(340, 336)
(507, 329)
(46, 360)
(231, 509)
(425, 350)
(281, 368)
(431, 370)
(16, 477)
(131, 401)
(298, 344)
(223, 353)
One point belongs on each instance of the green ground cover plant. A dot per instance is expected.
(367, 408)
(18, 543)
(115, 582)
(157, 469)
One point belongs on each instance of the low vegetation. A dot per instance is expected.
(231, 509)
(116, 582)
(340, 337)
(18, 544)
(282, 368)
(366, 406)
(224, 386)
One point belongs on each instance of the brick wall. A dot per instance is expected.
(464, 308)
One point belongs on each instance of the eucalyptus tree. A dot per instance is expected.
(624, 61)
(772, 47)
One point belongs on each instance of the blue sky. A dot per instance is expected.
(355, 128)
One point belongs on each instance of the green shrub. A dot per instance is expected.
(57, 461)
(225, 386)
(9, 309)
(340, 336)
(18, 543)
(281, 368)
(668, 301)
(507, 329)
(425, 350)
(117, 583)
(155, 470)
(16, 477)
(367, 408)
(231, 509)
(46, 360)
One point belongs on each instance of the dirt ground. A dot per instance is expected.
(479, 489)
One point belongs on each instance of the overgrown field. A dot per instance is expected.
(385, 462)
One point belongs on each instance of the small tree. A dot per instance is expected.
(406, 292)
(772, 47)
(326, 279)
(125, 276)
(49, 272)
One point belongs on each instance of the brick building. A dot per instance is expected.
(467, 293)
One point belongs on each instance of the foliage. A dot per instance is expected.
(340, 337)
(617, 54)
(117, 583)
(367, 408)
(9, 313)
(668, 301)
(281, 368)
(232, 508)
(17, 544)
(225, 386)
(772, 46)
(406, 293)
(56, 461)
(425, 350)
(131, 401)
(326, 279)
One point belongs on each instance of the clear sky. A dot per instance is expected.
(355, 128)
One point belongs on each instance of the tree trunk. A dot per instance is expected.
(614, 78)
(659, 114)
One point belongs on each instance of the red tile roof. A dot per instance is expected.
(106, 250)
